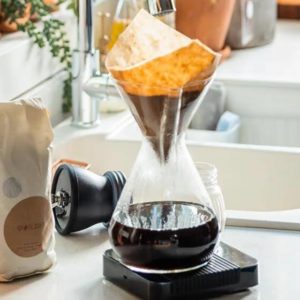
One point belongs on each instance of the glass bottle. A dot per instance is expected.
(165, 221)
(209, 176)
(125, 12)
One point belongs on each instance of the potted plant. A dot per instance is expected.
(7, 26)
(21, 14)
(53, 4)
(206, 20)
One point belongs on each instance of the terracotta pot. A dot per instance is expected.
(206, 20)
(289, 2)
(52, 4)
(6, 27)
(288, 9)
(53, 7)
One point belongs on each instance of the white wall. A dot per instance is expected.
(28, 71)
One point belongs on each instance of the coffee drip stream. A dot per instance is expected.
(164, 221)
(164, 118)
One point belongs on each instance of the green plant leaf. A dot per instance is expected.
(51, 34)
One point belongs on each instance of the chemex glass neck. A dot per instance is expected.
(163, 114)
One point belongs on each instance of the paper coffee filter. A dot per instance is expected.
(146, 38)
(150, 57)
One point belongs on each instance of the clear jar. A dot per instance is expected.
(126, 10)
(209, 176)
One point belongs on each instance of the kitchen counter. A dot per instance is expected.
(78, 274)
(274, 64)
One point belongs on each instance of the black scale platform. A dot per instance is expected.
(228, 271)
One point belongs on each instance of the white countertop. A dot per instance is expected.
(275, 63)
(78, 274)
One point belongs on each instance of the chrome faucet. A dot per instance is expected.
(161, 7)
(89, 84)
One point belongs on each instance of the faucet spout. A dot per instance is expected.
(161, 7)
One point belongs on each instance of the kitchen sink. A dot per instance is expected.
(260, 183)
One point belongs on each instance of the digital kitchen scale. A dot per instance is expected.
(228, 271)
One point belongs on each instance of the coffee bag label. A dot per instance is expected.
(28, 227)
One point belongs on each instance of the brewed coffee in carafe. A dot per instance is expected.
(164, 221)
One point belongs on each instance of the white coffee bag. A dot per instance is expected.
(26, 222)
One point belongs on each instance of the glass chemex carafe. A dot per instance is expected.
(164, 221)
